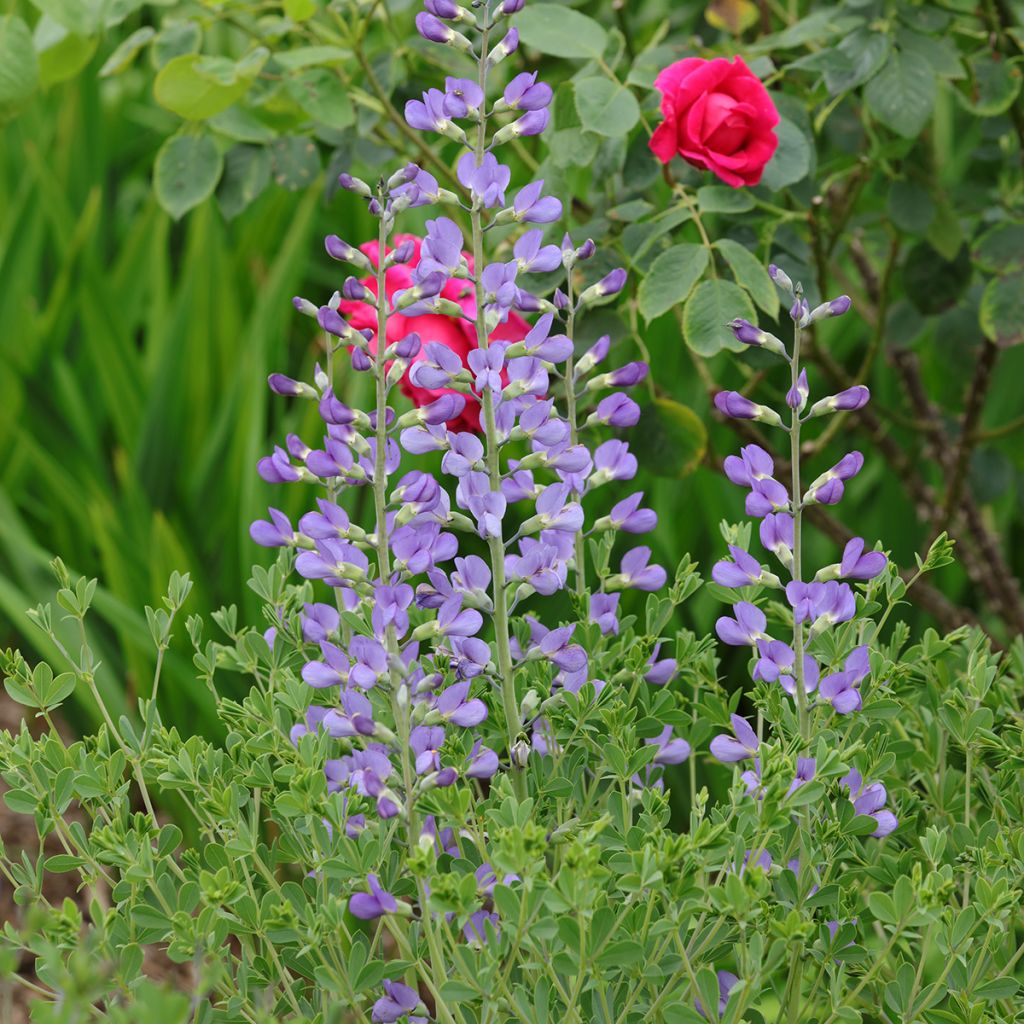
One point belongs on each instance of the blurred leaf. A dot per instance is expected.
(606, 107)
(186, 172)
(934, 283)
(910, 207)
(323, 96)
(196, 87)
(945, 232)
(902, 94)
(1001, 249)
(993, 86)
(671, 279)
(62, 54)
(246, 174)
(1002, 309)
(79, 17)
(561, 31)
(675, 438)
(792, 160)
(175, 39)
(991, 475)
(310, 56)
(241, 125)
(299, 10)
(723, 199)
(707, 313)
(860, 55)
(19, 68)
(940, 52)
(127, 51)
(751, 273)
(296, 161)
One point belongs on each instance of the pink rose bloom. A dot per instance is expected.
(718, 116)
(458, 335)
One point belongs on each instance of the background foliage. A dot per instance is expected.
(168, 168)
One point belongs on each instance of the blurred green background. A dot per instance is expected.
(134, 347)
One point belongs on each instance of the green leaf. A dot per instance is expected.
(932, 282)
(863, 52)
(176, 38)
(671, 279)
(1000, 988)
(322, 95)
(187, 170)
(19, 67)
(1002, 309)
(242, 125)
(127, 51)
(61, 53)
(299, 10)
(1001, 249)
(246, 174)
(561, 31)
(606, 107)
(902, 94)
(723, 199)
(296, 161)
(993, 85)
(196, 87)
(707, 313)
(940, 51)
(751, 273)
(675, 438)
(910, 207)
(79, 17)
(310, 56)
(63, 862)
(792, 160)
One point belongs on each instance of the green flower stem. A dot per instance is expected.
(495, 545)
(579, 551)
(797, 505)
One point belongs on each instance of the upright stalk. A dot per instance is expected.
(579, 551)
(797, 504)
(495, 545)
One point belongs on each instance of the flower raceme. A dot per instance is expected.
(416, 674)
(820, 678)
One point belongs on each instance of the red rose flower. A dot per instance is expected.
(718, 116)
(458, 335)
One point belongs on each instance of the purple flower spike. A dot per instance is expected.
(616, 410)
(531, 208)
(726, 983)
(745, 629)
(796, 397)
(604, 611)
(634, 572)
(372, 904)
(842, 689)
(659, 672)
(671, 750)
(846, 401)
(432, 29)
(452, 705)
(742, 745)
(397, 1001)
(743, 571)
(856, 565)
(277, 533)
(870, 800)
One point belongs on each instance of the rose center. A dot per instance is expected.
(726, 125)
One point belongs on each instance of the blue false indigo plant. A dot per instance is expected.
(446, 798)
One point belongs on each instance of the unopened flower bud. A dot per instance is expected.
(507, 46)
(732, 403)
(520, 753)
(304, 306)
(609, 286)
(749, 334)
(846, 401)
(353, 184)
(282, 385)
(781, 278)
(354, 290)
(511, 6)
(401, 253)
